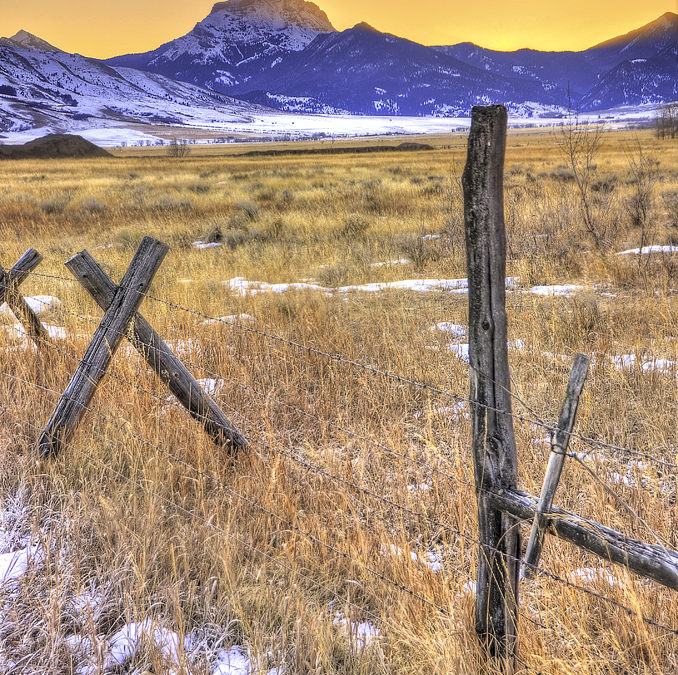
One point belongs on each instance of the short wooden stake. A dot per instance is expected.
(494, 448)
(106, 340)
(9, 293)
(159, 356)
(559, 447)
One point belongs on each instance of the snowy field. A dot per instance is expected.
(274, 125)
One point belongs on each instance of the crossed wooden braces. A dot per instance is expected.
(120, 305)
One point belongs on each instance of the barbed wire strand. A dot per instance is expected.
(221, 485)
(191, 514)
(465, 399)
(483, 546)
(388, 375)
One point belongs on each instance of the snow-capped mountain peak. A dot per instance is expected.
(278, 14)
(235, 43)
(25, 40)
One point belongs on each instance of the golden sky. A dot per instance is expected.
(103, 28)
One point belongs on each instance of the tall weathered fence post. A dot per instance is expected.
(494, 448)
(106, 340)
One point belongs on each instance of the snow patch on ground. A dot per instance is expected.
(18, 331)
(470, 587)
(234, 662)
(556, 290)
(211, 386)
(402, 261)
(40, 304)
(590, 575)
(647, 365)
(448, 327)
(242, 286)
(460, 351)
(233, 318)
(459, 409)
(430, 559)
(14, 565)
(361, 634)
(646, 250)
(205, 244)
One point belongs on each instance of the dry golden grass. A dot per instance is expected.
(157, 530)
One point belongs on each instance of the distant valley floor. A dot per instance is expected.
(271, 125)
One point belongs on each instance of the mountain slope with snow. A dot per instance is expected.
(607, 75)
(60, 91)
(638, 81)
(365, 71)
(285, 53)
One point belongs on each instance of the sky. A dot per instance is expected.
(103, 29)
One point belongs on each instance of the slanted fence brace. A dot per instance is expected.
(9, 293)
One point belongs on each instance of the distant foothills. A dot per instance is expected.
(285, 54)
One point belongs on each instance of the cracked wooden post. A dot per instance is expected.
(9, 293)
(559, 446)
(106, 340)
(160, 357)
(494, 448)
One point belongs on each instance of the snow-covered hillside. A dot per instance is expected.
(42, 87)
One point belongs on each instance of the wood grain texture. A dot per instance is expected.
(561, 441)
(160, 357)
(106, 340)
(651, 561)
(9, 293)
(494, 448)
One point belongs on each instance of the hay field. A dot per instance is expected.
(298, 556)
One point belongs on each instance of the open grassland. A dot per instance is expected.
(142, 518)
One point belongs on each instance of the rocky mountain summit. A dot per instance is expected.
(235, 43)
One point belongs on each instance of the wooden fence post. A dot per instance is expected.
(105, 342)
(9, 293)
(556, 461)
(159, 356)
(494, 448)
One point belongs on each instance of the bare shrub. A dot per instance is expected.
(178, 148)
(581, 146)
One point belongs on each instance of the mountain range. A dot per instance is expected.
(286, 54)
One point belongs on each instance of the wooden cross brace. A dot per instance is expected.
(9, 293)
(120, 304)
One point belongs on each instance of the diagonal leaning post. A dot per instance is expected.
(9, 293)
(107, 337)
(560, 443)
(159, 356)
(494, 448)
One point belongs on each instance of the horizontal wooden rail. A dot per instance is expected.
(651, 561)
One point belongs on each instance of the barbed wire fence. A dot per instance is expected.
(656, 561)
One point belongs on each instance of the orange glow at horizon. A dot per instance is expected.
(128, 26)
